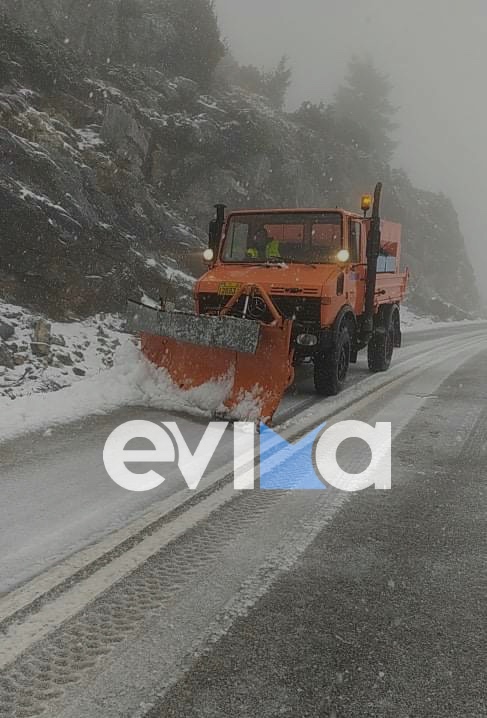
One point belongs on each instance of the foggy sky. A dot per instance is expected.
(435, 52)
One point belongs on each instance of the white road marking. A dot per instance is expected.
(321, 410)
(21, 635)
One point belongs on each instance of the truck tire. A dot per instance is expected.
(331, 367)
(381, 346)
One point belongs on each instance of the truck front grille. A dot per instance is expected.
(211, 303)
(303, 311)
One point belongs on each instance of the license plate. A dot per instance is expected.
(228, 289)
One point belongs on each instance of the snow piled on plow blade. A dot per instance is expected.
(222, 332)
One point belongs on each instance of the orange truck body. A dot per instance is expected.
(332, 286)
(311, 282)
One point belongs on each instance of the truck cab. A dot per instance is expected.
(283, 286)
(313, 265)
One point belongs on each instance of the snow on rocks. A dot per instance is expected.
(37, 356)
(89, 138)
(84, 368)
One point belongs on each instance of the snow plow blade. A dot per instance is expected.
(195, 350)
(216, 332)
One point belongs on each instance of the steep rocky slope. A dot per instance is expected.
(110, 164)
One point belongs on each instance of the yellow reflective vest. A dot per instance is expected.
(271, 251)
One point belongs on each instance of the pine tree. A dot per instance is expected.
(276, 83)
(272, 84)
(364, 101)
(199, 48)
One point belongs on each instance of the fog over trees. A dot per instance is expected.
(167, 111)
(434, 54)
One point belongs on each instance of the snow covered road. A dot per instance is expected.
(57, 497)
(152, 580)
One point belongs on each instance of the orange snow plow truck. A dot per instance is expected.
(283, 287)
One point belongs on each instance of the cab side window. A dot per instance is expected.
(236, 244)
(355, 234)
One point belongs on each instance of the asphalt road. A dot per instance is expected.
(258, 603)
(57, 497)
(386, 614)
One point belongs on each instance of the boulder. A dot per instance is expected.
(188, 90)
(64, 359)
(6, 357)
(58, 340)
(122, 132)
(41, 338)
(6, 331)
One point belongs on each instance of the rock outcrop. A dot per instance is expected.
(110, 165)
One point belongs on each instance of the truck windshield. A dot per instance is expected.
(304, 238)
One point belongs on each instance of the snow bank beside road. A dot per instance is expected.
(411, 322)
(52, 394)
(133, 381)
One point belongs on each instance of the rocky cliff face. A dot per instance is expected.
(97, 30)
(110, 165)
(178, 37)
(80, 225)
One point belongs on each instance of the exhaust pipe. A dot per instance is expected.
(373, 249)
(216, 228)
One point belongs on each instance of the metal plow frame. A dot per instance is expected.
(254, 357)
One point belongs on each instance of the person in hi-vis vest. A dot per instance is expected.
(263, 246)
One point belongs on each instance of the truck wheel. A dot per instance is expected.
(381, 347)
(331, 367)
